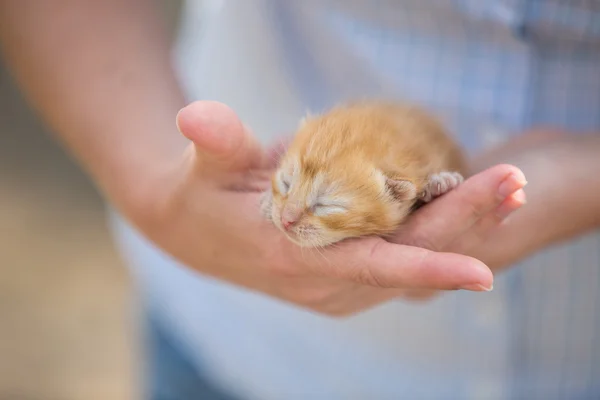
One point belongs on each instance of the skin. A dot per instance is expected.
(563, 194)
(563, 197)
(99, 74)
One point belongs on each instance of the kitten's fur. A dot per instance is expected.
(358, 170)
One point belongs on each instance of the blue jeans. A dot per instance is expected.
(169, 375)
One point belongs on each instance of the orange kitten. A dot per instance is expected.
(360, 170)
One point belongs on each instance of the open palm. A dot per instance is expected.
(208, 218)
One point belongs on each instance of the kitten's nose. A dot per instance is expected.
(286, 223)
(289, 217)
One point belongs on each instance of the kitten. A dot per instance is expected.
(358, 170)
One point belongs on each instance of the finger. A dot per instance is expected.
(481, 231)
(357, 299)
(378, 263)
(419, 295)
(439, 223)
(221, 141)
(511, 204)
(251, 180)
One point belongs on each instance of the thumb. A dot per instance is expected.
(221, 142)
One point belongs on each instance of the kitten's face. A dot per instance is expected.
(319, 204)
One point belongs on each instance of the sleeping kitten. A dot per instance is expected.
(359, 170)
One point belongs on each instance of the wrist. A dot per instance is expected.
(563, 191)
(578, 186)
(563, 197)
(134, 175)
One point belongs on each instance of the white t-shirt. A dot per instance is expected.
(492, 69)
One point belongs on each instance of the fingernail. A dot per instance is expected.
(519, 197)
(511, 204)
(177, 120)
(477, 287)
(511, 184)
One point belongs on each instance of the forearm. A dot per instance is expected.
(563, 195)
(99, 73)
(576, 191)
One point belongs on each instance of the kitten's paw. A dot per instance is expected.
(266, 204)
(439, 184)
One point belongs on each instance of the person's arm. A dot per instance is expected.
(563, 193)
(99, 73)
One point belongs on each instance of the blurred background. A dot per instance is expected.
(66, 329)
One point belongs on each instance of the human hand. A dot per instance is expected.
(204, 211)
(562, 195)
(442, 226)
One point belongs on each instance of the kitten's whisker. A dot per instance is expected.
(302, 253)
(280, 151)
(315, 246)
(334, 245)
(320, 249)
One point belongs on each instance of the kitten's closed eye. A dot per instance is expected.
(283, 184)
(322, 211)
(324, 208)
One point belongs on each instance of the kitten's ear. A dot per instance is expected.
(402, 189)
